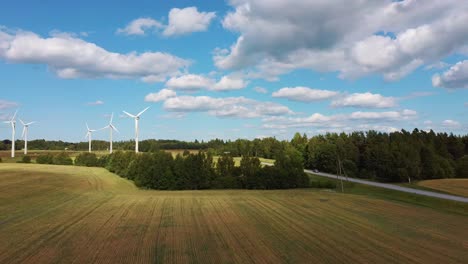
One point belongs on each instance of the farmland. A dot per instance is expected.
(452, 186)
(75, 214)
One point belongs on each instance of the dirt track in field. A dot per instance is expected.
(86, 215)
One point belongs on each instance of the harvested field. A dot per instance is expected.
(453, 186)
(68, 214)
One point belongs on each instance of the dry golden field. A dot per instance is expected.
(66, 214)
(453, 186)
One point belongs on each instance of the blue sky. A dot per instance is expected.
(234, 69)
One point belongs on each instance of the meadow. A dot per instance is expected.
(69, 214)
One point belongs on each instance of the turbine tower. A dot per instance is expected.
(111, 129)
(88, 135)
(25, 134)
(12, 122)
(136, 117)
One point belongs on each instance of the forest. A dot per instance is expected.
(388, 157)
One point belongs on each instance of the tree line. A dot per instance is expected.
(390, 157)
(160, 170)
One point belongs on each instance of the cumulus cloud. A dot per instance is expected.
(70, 57)
(193, 82)
(364, 100)
(187, 20)
(98, 102)
(5, 104)
(181, 22)
(189, 82)
(304, 94)
(260, 90)
(140, 26)
(340, 121)
(228, 83)
(162, 95)
(451, 123)
(280, 36)
(238, 107)
(455, 77)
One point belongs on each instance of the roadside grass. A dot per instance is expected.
(396, 196)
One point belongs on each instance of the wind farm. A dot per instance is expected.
(238, 131)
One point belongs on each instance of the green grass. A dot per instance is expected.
(396, 196)
(67, 214)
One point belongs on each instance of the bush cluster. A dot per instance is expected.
(61, 158)
(159, 170)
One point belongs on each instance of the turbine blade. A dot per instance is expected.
(87, 134)
(87, 126)
(112, 117)
(31, 123)
(13, 118)
(130, 115)
(143, 111)
(24, 132)
(22, 122)
(114, 128)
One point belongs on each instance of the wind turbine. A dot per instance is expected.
(111, 129)
(136, 117)
(12, 122)
(88, 135)
(25, 134)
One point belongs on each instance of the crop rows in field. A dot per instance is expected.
(84, 215)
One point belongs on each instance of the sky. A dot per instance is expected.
(233, 69)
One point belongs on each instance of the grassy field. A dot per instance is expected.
(452, 186)
(60, 214)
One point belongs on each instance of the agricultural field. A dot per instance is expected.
(67, 214)
(452, 186)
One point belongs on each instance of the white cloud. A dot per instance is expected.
(455, 77)
(4, 104)
(386, 116)
(71, 57)
(365, 100)
(279, 36)
(239, 107)
(304, 94)
(98, 102)
(353, 121)
(187, 20)
(451, 123)
(261, 90)
(189, 82)
(140, 26)
(162, 95)
(228, 83)
(437, 65)
(193, 82)
(428, 122)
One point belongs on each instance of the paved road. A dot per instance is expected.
(389, 186)
(394, 187)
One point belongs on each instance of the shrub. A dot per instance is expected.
(62, 159)
(45, 159)
(86, 159)
(26, 159)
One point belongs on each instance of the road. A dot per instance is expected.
(388, 186)
(394, 187)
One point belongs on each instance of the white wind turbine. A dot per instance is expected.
(25, 134)
(88, 135)
(12, 122)
(136, 117)
(111, 129)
